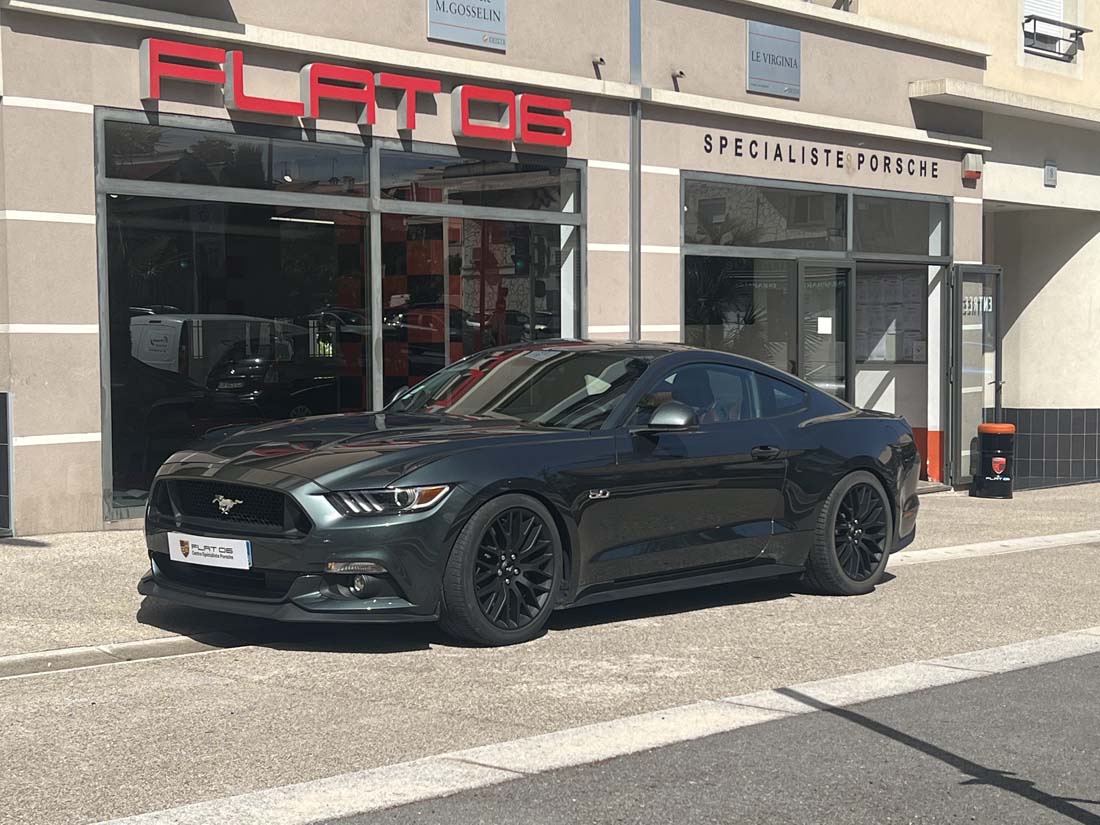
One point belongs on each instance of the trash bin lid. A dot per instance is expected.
(997, 429)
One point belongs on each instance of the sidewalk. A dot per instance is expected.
(79, 589)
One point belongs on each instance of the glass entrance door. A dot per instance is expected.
(974, 376)
(825, 355)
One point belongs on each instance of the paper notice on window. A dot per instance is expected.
(825, 325)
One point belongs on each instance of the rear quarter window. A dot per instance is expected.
(780, 398)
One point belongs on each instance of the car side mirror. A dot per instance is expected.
(672, 415)
(398, 394)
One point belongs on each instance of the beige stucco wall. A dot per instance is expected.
(998, 23)
(845, 72)
(1051, 306)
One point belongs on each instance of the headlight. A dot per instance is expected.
(388, 501)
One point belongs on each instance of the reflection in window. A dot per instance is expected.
(731, 214)
(139, 151)
(540, 185)
(454, 286)
(223, 314)
(741, 305)
(900, 226)
(562, 385)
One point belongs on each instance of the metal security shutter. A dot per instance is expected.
(1054, 9)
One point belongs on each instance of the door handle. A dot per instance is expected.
(765, 453)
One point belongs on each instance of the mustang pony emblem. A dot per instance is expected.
(225, 504)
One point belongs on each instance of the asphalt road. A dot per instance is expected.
(307, 703)
(1022, 747)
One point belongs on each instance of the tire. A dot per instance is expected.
(852, 538)
(484, 601)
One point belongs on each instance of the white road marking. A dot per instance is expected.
(994, 548)
(438, 776)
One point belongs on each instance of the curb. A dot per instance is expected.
(70, 658)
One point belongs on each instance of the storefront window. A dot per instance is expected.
(733, 214)
(899, 226)
(140, 151)
(531, 184)
(223, 314)
(455, 286)
(892, 305)
(742, 305)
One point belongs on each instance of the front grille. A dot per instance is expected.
(178, 503)
(257, 584)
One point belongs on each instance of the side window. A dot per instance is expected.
(779, 397)
(717, 393)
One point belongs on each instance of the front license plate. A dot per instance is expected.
(232, 553)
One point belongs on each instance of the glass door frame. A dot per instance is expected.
(955, 469)
(849, 348)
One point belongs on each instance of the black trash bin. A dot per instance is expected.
(997, 448)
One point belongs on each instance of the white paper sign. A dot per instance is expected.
(825, 325)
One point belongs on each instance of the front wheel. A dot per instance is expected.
(502, 579)
(853, 538)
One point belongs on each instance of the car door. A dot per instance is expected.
(705, 496)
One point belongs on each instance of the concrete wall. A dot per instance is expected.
(1051, 306)
(998, 23)
(845, 72)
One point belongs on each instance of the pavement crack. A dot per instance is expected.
(974, 670)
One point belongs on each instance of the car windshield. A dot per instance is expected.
(552, 387)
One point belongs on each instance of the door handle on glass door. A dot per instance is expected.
(765, 453)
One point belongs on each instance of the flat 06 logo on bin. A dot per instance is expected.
(999, 464)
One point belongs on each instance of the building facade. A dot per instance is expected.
(235, 211)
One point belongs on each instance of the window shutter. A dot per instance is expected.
(1054, 9)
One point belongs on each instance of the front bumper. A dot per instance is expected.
(309, 606)
(288, 580)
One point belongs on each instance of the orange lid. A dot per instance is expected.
(997, 429)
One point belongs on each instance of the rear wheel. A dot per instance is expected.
(504, 573)
(853, 538)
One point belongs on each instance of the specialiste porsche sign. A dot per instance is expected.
(532, 119)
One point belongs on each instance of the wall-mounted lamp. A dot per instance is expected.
(677, 76)
(597, 62)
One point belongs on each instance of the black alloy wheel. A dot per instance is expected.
(853, 538)
(514, 570)
(860, 532)
(503, 576)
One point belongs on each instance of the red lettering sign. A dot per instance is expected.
(543, 121)
(409, 87)
(500, 115)
(236, 98)
(323, 81)
(463, 124)
(155, 67)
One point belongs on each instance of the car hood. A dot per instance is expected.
(353, 449)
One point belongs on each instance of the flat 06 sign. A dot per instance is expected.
(478, 112)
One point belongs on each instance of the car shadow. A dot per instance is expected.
(223, 630)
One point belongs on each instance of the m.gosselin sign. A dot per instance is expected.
(771, 150)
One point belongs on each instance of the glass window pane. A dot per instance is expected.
(892, 313)
(779, 398)
(825, 334)
(731, 214)
(453, 286)
(224, 314)
(139, 151)
(532, 184)
(742, 305)
(899, 226)
(717, 394)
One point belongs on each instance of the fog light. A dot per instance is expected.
(359, 585)
(367, 567)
